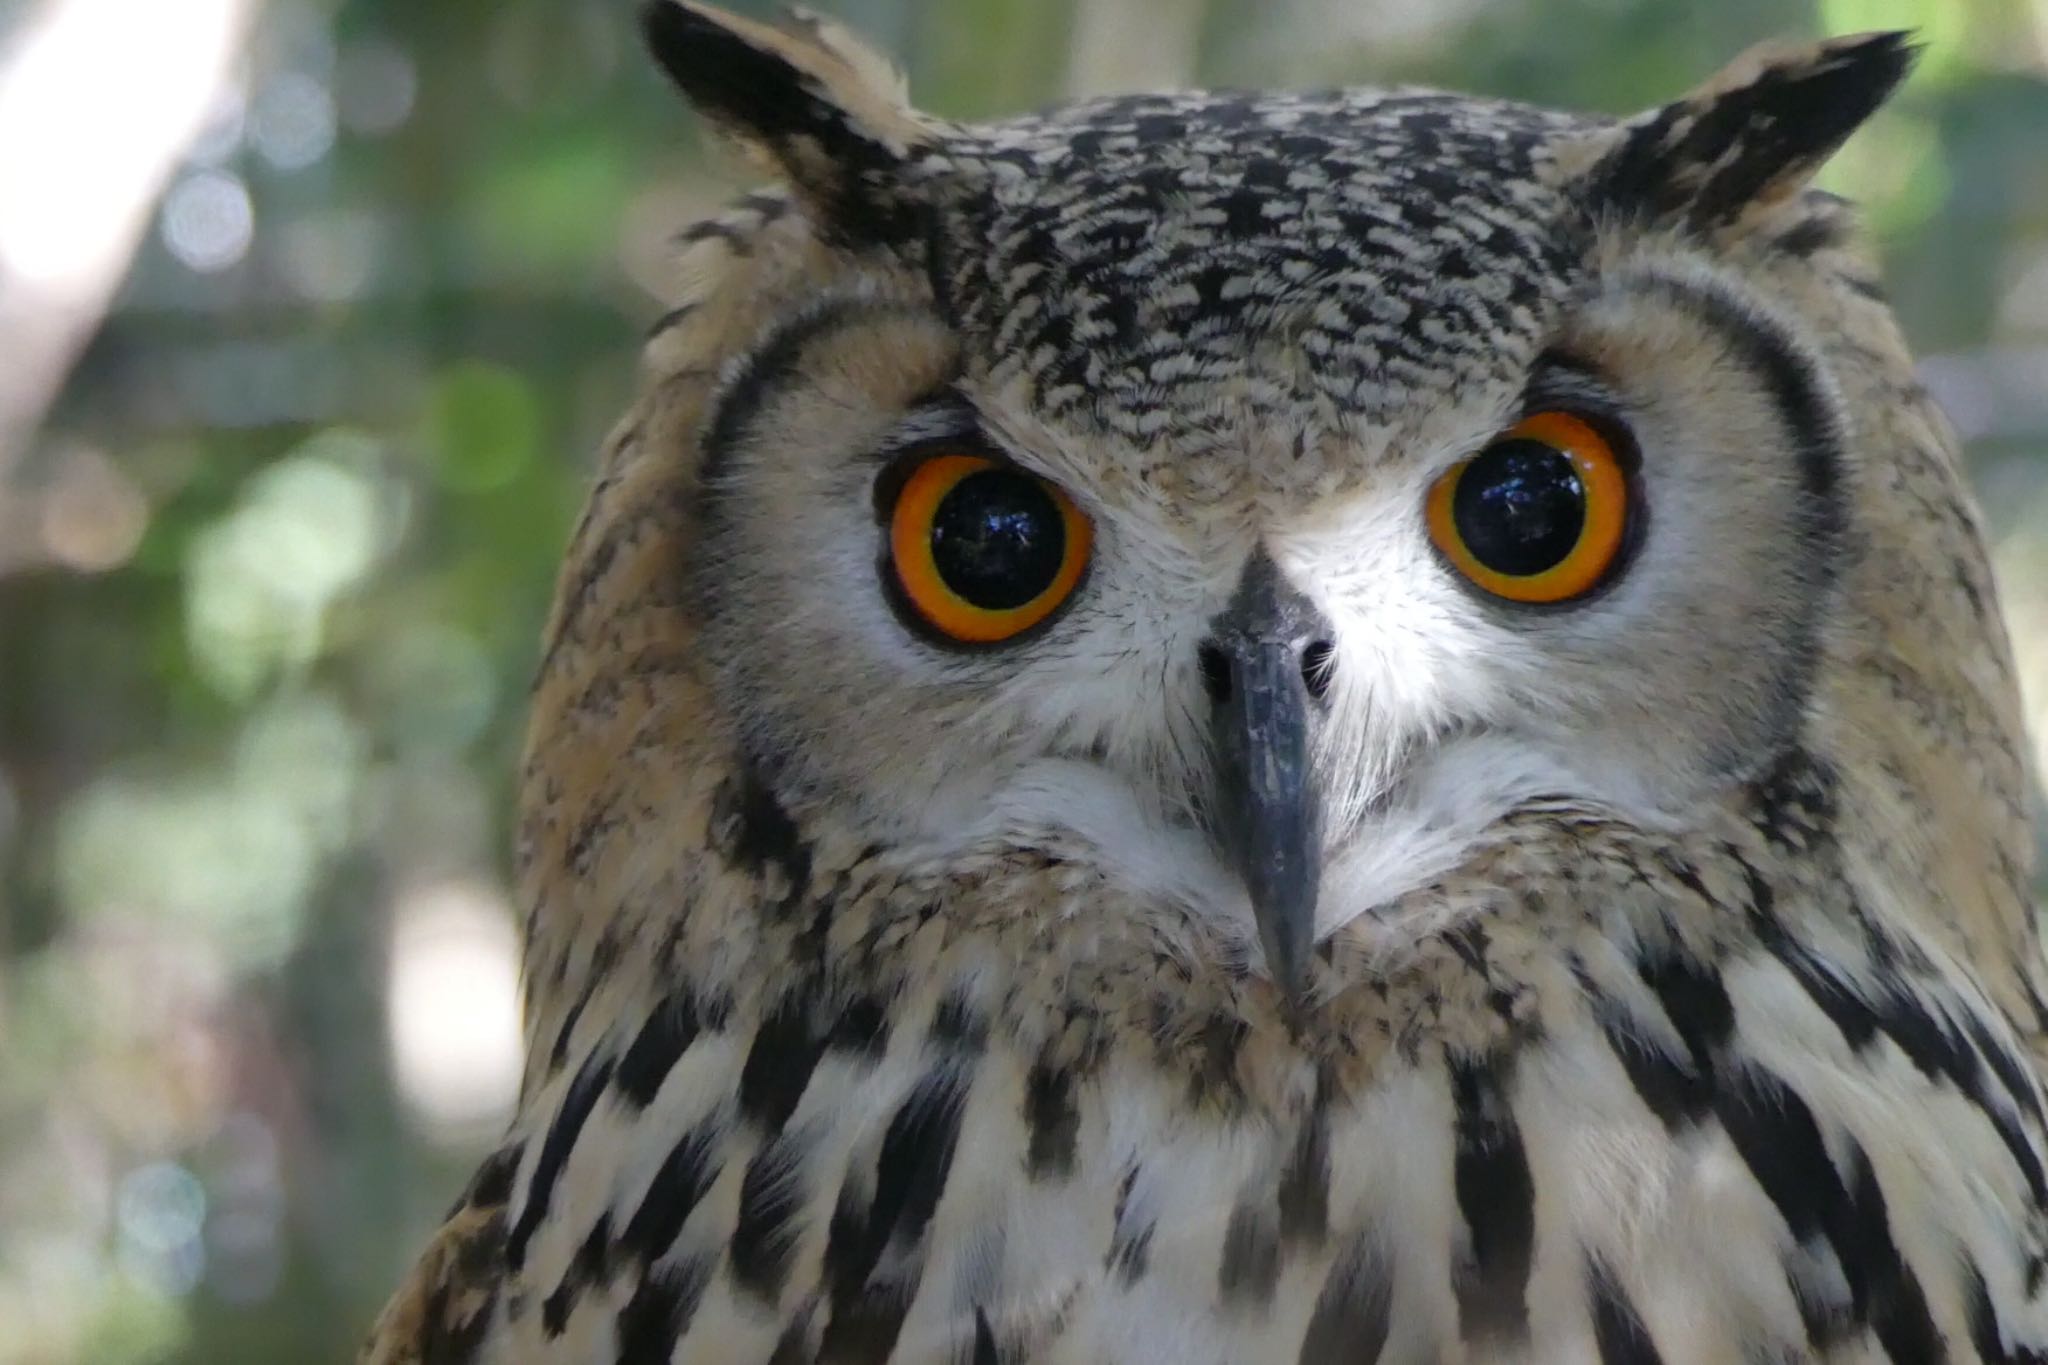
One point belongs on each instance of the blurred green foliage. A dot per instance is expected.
(284, 546)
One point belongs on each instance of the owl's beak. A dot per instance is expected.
(1267, 816)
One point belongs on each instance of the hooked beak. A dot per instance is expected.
(1268, 815)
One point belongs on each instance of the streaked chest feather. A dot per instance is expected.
(1574, 1134)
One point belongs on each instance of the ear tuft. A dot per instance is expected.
(873, 69)
(1752, 135)
(828, 112)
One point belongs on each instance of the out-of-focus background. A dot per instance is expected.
(309, 313)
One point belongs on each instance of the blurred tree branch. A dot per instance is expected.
(98, 98)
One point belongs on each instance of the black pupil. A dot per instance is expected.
(998, 539)
(1519, 507)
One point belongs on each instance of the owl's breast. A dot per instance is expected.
(1618, 1151)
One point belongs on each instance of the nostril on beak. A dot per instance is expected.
(1215, 665)
(1318, 663)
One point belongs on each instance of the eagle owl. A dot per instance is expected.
(1353, 727)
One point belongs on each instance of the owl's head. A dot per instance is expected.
(1259, 498)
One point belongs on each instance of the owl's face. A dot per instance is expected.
(1258, 499)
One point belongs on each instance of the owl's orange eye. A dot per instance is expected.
(982, 550)
(1540, 515)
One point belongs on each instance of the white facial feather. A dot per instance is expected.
(1422, 776)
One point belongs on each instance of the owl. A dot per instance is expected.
(1217, 728)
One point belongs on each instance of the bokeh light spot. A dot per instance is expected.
(208, 221)
(258, 582)
(435, 687)
(375, 85)
(93, 515)
(291, 121)
(483, 426)
(330, 257)
(454, 1007)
